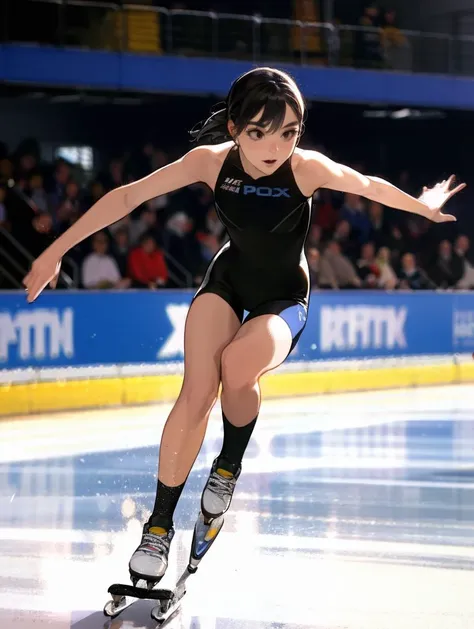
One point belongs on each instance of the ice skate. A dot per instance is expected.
(219, 489)
(167, 601)
(150, 560)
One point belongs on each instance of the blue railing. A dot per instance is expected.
(121, 27)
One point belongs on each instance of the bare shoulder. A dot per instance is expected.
(208, 160)
(310, 169)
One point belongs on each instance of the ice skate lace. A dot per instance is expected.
(155, 545)
(220, 485)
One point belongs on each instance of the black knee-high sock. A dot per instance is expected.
(165, 505)
(236, 440)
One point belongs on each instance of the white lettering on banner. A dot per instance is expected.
(463, 325)
(174, 344)
(362, 327)
(37, 333)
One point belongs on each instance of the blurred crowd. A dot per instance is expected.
(168, 242)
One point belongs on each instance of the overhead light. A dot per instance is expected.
(402, 113)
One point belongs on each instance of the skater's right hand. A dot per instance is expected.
(44, 270)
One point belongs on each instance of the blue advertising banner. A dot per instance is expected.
(44, 65)
(72, 329)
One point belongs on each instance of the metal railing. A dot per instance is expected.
(120, 27)
(15, 262)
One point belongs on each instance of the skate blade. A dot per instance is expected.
(165, 617)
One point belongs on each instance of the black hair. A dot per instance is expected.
(261, 88)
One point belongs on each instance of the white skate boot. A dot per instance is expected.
(219, 489)
(150, 561)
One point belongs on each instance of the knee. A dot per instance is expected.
(236, 372)
(199, 398)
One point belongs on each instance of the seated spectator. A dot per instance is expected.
(37, 193)
(462, 249)
(313, 258)
(3, 207)
(324, 212)
(120, 249)
(345, 237)
(367, 268)
(387, 278)
(396, 246)
(378, 233)
(69, 209)
(146, 264)
(336, 270)
(99, 269)
(314, 236)
(448, 268)
(6, 171)
(412, 277)
(181, 244)
(353, 211)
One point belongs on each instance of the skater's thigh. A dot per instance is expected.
(210, 326)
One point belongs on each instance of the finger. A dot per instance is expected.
(457, 189)
(447, 218)
(54, 282)
(450, 181)
(35, 290)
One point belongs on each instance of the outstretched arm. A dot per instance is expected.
(116, 204)
(329, 174)
(119, 202)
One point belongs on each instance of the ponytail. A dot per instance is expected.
(213, 130)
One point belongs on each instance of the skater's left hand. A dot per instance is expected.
(434, 198)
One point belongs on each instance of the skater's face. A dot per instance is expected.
(268, 151)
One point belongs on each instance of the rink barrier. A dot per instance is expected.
(95, 392)
(75, 350)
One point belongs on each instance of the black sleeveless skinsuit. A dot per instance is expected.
(262, 269)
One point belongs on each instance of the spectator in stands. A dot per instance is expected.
(324, 213)
(41, 235)
(115, 176)
(448, 267)
(146, 264)
(396, 246)
(387, 278)
(345, 237)
(353, 211)
(396, 47)
(6, 170)
(462, 249)
(313, 258)
(378, 233)
(368, 44)
(99, 269)
(367, 268)
(3, 207)
(412, 277)
(37, 193)
(180, 242)
(314, 237)
(57, 186)
(336, 270)
(120, 249)
(69, 209)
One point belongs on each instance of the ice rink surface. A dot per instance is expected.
(353, 511)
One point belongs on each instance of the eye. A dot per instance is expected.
(255, 134)
(289, 134)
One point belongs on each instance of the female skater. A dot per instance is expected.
(263, 185)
